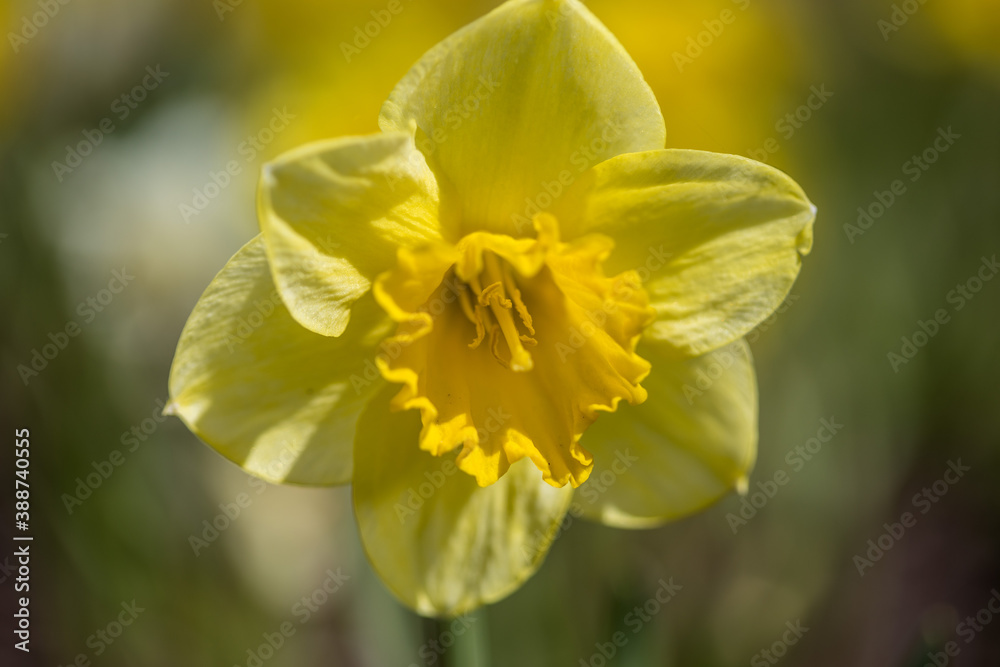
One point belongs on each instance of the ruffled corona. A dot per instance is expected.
(511, 347)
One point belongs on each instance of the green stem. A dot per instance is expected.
(468, 637)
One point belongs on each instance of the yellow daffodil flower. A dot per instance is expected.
(512, 289)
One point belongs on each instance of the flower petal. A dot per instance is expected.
(717, 239)
(690, 443)
(269, 395)
(333, 214)
(519, 103)
(441, 543)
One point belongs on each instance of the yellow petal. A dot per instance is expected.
(441, 543)
(518, 104)
(333, 214)
(690, 443)
(717, 239)
(269, 395)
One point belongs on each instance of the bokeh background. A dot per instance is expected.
(229, 64)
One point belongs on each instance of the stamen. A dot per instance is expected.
(501, 306)
(515, 294)
(520, 360)
(494, 299)
(463, 298)
(475, 316)
(495, 346)
(494, 293)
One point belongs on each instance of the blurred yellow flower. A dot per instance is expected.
(353, 50)
(732, 62)
(449, 314)
(971, 27)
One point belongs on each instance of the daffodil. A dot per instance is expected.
(512, 289)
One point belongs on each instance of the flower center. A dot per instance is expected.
(493, 311)
(468, 315)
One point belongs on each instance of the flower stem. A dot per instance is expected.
(462, 641)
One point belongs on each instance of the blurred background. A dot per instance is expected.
(114, 114)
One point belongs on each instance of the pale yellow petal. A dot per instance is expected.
(441, 543)
(333, 214)
(717, 239)
(518, 104)
(693, 440)
(271, 396)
